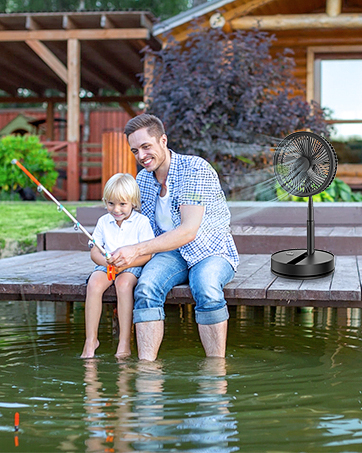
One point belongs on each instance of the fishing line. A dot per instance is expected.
(32, 333)
(111, 270)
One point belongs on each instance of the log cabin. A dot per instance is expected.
(326, 39)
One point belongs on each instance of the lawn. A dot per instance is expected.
(21, 221)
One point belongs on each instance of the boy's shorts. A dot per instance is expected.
(136, 271)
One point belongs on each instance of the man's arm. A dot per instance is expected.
(191, 218)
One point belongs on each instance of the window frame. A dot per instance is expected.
(313, 83)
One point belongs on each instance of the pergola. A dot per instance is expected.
(63, 52)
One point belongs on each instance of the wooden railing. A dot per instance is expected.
(87, 159)
(95, 163)
(351, 174)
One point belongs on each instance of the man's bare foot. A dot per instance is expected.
(89, 349)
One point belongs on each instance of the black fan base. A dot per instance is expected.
(297, 264)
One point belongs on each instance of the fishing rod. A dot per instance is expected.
(111, 273)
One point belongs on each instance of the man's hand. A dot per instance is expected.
(123, 256)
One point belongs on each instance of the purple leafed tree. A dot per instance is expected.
(225, 97)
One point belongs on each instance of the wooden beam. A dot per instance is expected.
(49, 58)
(333, 7)
(31, 23)
(105, 64)
(63, 35)
(106, 22)
(245, 9)
(60, 100)
(128, 109)
(241, 10)
(310, 76)
(68, 23)
(73, 119)
(297, 21)
(73, 90)
(50, 121)
(145, 22)
(148, 73)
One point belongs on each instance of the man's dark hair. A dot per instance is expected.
(153, 125)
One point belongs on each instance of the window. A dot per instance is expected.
(337, 85)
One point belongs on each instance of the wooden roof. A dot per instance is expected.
(33, 49)
(268, 15)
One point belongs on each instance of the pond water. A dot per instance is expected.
(291, 382)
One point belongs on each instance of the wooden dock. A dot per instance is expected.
(60, 276)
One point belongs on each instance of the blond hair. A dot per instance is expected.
(122, 187)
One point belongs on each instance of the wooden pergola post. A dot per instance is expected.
(73, 119)
(50, 121)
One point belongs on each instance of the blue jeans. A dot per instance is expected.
(168, 269)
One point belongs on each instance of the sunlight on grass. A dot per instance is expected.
(22, 221)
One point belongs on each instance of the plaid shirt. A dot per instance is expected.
(192, 181)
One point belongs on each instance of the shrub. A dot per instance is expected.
(29, 151)
(224, 96)
(337, 191)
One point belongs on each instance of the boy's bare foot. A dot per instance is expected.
(89, 349)
(122, 353)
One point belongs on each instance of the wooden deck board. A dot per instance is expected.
(346, 284)
(61, 276)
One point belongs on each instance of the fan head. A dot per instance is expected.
(305, 164)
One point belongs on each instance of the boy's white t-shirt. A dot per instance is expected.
(135, 229)
(163, 212)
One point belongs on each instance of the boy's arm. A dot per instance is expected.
(97, 256)
(191, 218)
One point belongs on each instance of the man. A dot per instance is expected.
(182, 197)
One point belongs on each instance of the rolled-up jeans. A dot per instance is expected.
(165, 270)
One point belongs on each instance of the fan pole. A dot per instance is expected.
(310, 227)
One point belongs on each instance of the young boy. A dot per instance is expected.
(123, 225)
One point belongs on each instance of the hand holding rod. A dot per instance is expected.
(62, 208)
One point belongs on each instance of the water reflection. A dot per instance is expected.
(145, 413)
(291, 378)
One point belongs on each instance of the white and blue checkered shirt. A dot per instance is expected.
(192, 181)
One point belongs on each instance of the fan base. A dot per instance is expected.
(297, 264)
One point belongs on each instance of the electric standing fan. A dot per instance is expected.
(305, 164)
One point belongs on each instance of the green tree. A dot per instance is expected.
(160, 8)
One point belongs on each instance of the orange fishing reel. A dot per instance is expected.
(111, 272)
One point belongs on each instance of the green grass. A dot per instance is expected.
(21, 221)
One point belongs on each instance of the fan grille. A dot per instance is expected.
(305, 164)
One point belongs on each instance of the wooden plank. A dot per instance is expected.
(343, 231)
(284, 289)
(73, 58)
(249, 264)
(49, 58)
(315, 289)
(73, 119)
(346, 281)
(84, 34)
(256, 285)
(297, 21)
(333, 7)
(61, 275)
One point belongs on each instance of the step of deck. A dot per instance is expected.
(256, 227)
(248, 239)
(267, 213)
